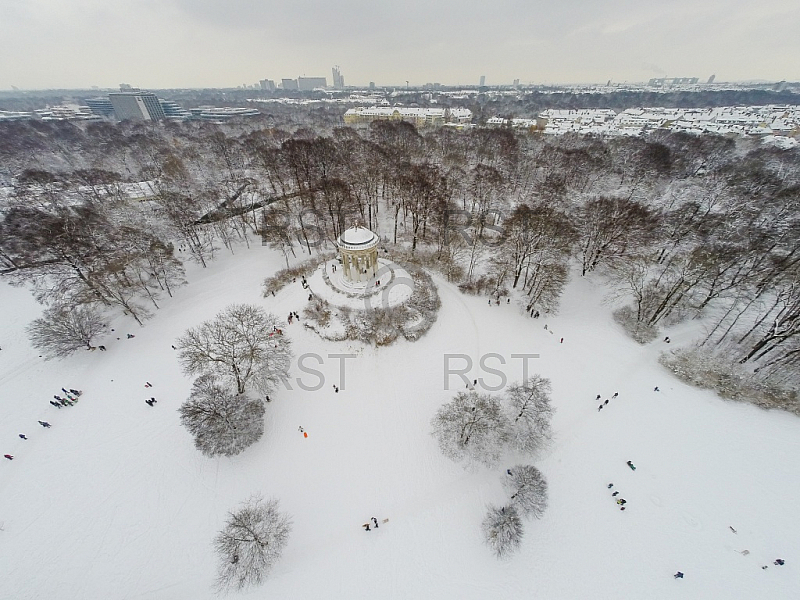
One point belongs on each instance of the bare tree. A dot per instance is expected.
(472, 427)
(61, 330)
(240, 345)
(529, 414)
(528, 490)
(251, 543)
(222, 423)
(502, 530)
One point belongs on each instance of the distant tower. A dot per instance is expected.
(711, 79)
(338, 80)
(483, 80)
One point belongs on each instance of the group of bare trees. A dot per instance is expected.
(685, 225)
(480, 429)
(239, 356)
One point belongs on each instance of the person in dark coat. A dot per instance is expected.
(678, 575)
(54, 403)
(23, 436)
(44, 424)
(375, 521)
(9, 456)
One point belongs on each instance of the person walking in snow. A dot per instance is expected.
(23, 436)
(44, 424)
(147, 384)
(75, 392)
(779, 561)
(631, 465)
(615, 394)
(610, 485)
(598, 397)
(606, 402)
(614, 494)
(375, 521)
(9, 456)
(56, 404)
(655, 389)
(150, 402)
(562, 341)
(622, 501)
(599, 408)
(678, 575)
(366, 526)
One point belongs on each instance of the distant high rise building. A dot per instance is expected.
(267, 85)
(483, 80)
(338, 80)
(372, 85)
(100, 106)
(289, 84)
(136, 106)
(711, 79)
(309, 83)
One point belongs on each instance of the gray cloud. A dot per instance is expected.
(52, 43)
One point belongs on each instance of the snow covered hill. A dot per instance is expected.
(114, 502)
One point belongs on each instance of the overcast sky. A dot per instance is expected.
(222, 43)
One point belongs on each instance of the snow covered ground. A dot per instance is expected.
(114, 502)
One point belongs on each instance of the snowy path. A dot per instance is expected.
(114, 502)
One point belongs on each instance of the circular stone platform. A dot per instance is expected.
(391, 286)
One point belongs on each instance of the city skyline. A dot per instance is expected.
(210, 43)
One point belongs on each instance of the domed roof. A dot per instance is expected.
(357, 236)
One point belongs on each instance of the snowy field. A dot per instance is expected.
(114, 502)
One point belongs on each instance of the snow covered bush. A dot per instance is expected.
(239, 345)
(250, 544)
(730, 380)
(502, 530)
(640, 331)
(222, 423)
(319, 311)
(471, 427)
(527, 488)
(284, 277)
(529, 414)
(62, 330)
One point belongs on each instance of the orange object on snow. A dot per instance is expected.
(305, 435)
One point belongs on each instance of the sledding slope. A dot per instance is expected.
(114, 502)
